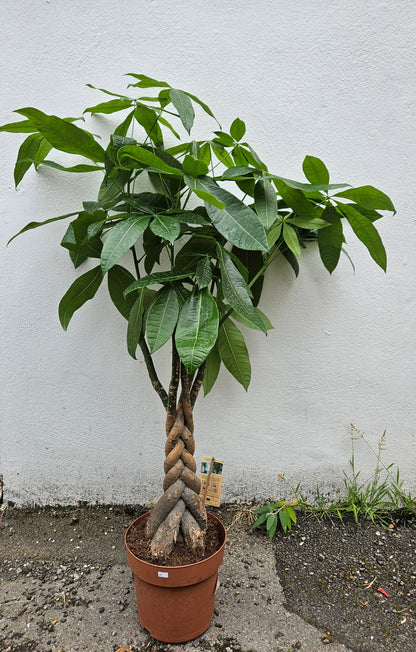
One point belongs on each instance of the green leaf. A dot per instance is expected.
(82, 236)
(153, 247)
(370, 214)
(112, 185)
(244, 157)
(233, 352)
(266, 321)
(307, 187)
(367, 233)
(297, 201)
(271, 525)
(368, 197)
(205, 153)
(291, 239)
(167, 124)
(121, 237)
(315, 170)
(119, 278)
(260, 520)
(167, 227)
(194, 167)
(156, 278)
(146, 158)
(313, 223)
(195, 217)
(35, 225)
(253, 262)
(236, 221)
(22, 127)
(224, 139)
(197, 329)
(110, 107)
(147, 82)
(290, 257)
(82, 290)
(274, 234)
(291, 513)
(238, 172)
(212, 370)
(162, 317)
(284, 518)
(26, 156)
(237, 129)
(331, 239)
(123, 127)
(148, 118)
(204, 106)
(135, 325)
(195, 248)
(147, 202)
(265, 202)
(221, 153)
(43, 150)
(177, 149)
(78, 169)
(64, 135)
(235, 290)
(182, 292)
(202, 187)
(266, 509)
(183, 105)
(204, 272)
(103, 90)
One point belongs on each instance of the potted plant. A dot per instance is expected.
(202, 221)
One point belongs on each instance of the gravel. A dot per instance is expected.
(356, 581)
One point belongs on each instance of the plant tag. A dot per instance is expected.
(162, 574)
(211, 481)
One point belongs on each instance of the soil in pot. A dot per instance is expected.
(181, 555)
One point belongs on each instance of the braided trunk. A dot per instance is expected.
(180, 512)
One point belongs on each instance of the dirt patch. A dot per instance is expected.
(181, 554)
(356, 581)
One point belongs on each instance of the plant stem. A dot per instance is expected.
(197, 384)
(157, 385)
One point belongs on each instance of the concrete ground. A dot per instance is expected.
(66, 586)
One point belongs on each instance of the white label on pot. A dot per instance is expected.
(160, 574)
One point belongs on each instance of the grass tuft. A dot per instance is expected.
(380, 499)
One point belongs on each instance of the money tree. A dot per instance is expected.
(184, 231)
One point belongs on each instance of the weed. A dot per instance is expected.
(274, 513)
(380, 499)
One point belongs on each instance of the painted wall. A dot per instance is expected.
(79, 420)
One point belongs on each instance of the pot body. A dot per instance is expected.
(176, 603)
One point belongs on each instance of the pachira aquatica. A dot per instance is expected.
(202, 221)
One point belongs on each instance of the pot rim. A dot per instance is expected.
(172, 568)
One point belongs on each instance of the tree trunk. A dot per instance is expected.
(180, 511)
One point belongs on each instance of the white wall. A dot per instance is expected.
(79, 420)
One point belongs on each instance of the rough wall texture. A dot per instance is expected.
(328, 79)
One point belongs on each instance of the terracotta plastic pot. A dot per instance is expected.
(176, 603)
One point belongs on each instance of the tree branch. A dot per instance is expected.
(186, 398)
(173, 389)
(198, 383)
(157, 385)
